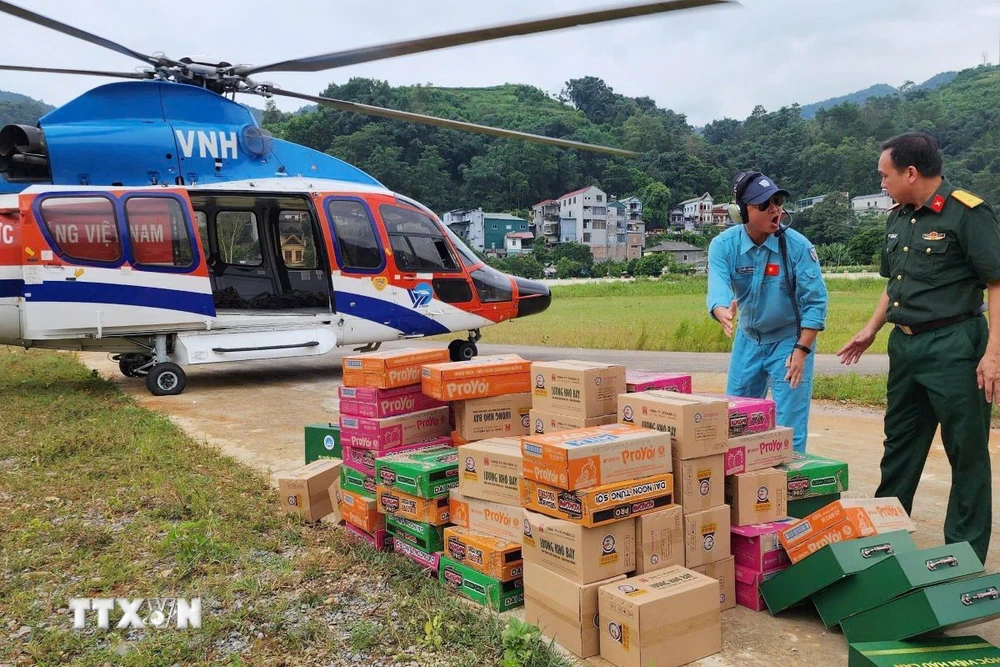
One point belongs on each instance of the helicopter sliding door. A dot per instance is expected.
(264, 253)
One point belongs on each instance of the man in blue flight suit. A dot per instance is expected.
(772, 275)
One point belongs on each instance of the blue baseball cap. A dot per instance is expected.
(761, 189)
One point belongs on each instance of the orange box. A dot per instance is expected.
(864, 516)
(434, 511)
(843, 531)
(362, 511)
(492, 556)
(480, 377)
(388, 369)
(586, 457)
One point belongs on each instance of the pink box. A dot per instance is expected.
(749, 415)
(381, 540)
(390, 432)
(363, 460)
(756, 451)
(380, 403)
(643, 380)
(748, 588)
(756, 547)
(428, 561)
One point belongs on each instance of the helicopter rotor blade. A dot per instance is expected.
(84, 72)
(391, 50)
(52, 24)
(394, 114)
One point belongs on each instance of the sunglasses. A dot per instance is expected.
(777, 200)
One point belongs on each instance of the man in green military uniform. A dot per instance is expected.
(942, 248)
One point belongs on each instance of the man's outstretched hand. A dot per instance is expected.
(726, 317)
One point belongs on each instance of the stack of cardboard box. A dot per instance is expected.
(813, 483)
(758, 556)
(383, 411)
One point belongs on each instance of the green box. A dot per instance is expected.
(893, 577)
(927, 610)
(803, 507)
(322, 442)
(424, 536)
(497, 595)
(938, 651)
(357, 482)
(829, 565)
(424, 473)
(810, 476)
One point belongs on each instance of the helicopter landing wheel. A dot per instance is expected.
(462, 350)
(165, 379)
(130, 363)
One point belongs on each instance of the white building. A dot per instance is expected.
(877, 203)
(469, 224)
(698, 209)
(634, 207)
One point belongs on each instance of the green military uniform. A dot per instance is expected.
(938, 259)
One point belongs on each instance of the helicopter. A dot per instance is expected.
(155, 220)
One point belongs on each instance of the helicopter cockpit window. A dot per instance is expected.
(82, 228)
(202, 222)
(491, 285)
(298, 241)
(464, 251)
(158, 232)
(417, 241)
(356, 241)
(238, 238)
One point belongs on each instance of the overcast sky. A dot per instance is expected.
(707, 64)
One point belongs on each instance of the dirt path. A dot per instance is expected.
(256, 411)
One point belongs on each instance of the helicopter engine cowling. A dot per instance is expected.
(24, 154)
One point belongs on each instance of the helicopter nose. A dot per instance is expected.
(533, 297)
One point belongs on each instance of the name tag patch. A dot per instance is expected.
(744, 270)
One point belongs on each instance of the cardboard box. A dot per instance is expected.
(758, 548)
(845, 519)
(391, 501)
(497, 595)
(564, 610)
(484, 516)
(749, 415)
(699, 483)
(723, 571)
(810, 475)
(429, 560)
(829, 565)
(363, 460)
(646, 380)
(580, 388)
(696, 423)
(357, 482)
(666, 618)
(893, 577)
(490, 470)
(388, 369)
(322, 442)
(550, 422)
(659, 539)
(803, 507)
(480, 377)
(757, 497)
(593, 456)
(391, 432)
(361, 511)
(600, 505)
(336, 495)
(495, 417)
(380, 541)
(380, 403)
(756, 451)
(495, 557)
(424, 473)
(306, 490)
(424, 536)
(926, 610)
(706, 536)
(748, 583)
(932, 651)
(584, 555)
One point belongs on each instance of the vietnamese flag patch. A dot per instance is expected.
(771, 270)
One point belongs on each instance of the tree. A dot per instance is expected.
(567, 268)
(525, 266)
(655, 199)
(651, 264)
(576, 252)
(865, 246)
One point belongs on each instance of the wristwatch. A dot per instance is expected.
(799, 346)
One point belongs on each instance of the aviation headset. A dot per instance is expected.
(738, 209)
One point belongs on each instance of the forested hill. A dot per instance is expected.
(836, 150)
(19, 109)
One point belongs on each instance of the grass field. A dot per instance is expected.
(667, 314)
(100, 498)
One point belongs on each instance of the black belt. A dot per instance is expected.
(923, 327)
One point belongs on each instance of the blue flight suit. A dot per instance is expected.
(766, 332)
